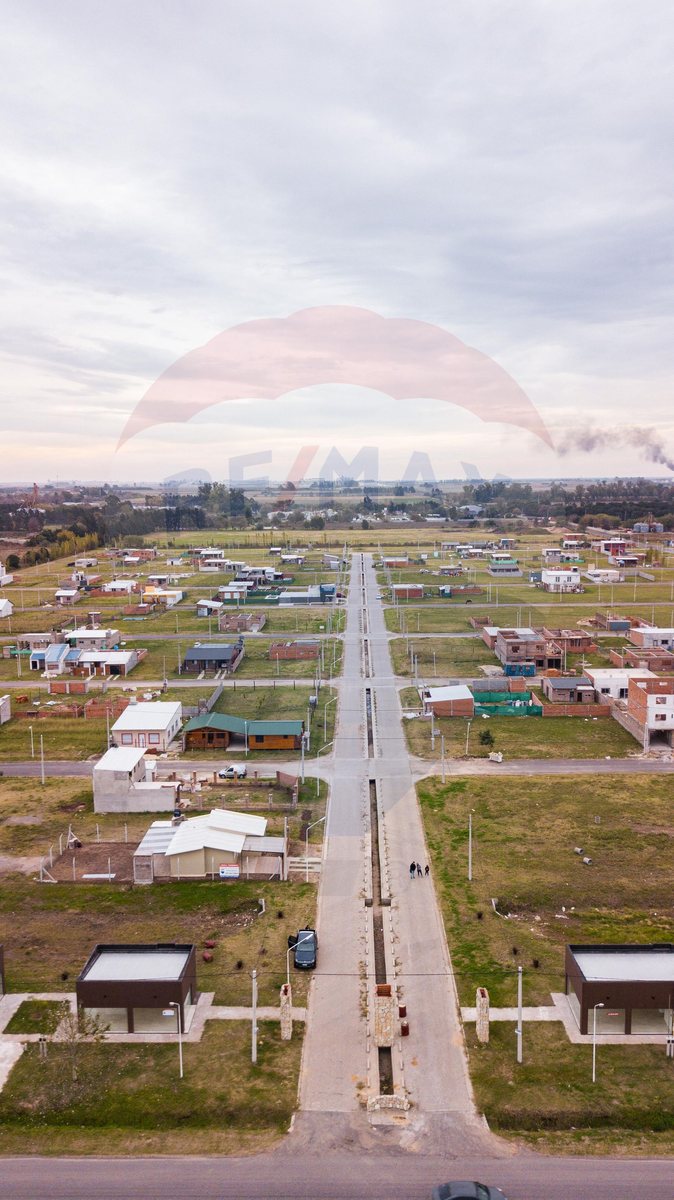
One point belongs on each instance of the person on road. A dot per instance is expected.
(419, 870)
(427, 871)
(413, 867)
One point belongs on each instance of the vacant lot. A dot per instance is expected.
(48, 930)
(133, 1098)
(63, 737)
(446, 657)
(552, 1091)
(525, 832)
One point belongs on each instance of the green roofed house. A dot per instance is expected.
(215, 731)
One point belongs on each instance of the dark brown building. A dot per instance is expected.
(632, 982)
(130, 987)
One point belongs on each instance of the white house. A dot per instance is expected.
(6, 608)
(4, 577)
(652, 637)
(123, 782)
(150, 725)
(561, 579)
(5, 709)
(613, 682)
(85, 638)
(121, 587)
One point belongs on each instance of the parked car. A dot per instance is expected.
(233, 771)
(305, 945)
(466, 1191)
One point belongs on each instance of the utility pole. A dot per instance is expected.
(253, 1051)
(519, 1014)
(470, 847)
(41, 758)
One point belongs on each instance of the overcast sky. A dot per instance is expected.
(501, 170)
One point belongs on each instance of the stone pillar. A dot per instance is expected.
(482, 1014)
(286, 1012)
(385, 1005)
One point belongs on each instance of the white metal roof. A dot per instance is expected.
(649, 963)
(197, 834)
(221, 829)
(154, 714)
(85, 632)
(120, 758)
(225, 818)
(113, 657)
(157, 838)
(138, 964)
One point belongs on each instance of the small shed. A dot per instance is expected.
(129, 987)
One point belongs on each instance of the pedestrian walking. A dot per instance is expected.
(419, 870)
(427, 871)
(413, 867)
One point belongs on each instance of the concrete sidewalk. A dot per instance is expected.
(560, 1010)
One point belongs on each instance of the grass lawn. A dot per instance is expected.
(524, 834)
(280, 703)
(517, 737)
(63, 737)
(460, 657)
(48, 931)
(35, 1016)
(133, 1097)
(552, 1088)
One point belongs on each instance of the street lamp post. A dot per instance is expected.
(325, 717)
(306, 847)
(32, 741)
(289, 951)
(324, 747)
(174, 1007)
(594, 1040)
(442, 754)
(467, 736)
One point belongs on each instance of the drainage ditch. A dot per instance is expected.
(384, 1052)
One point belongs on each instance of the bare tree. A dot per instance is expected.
(75, 1030)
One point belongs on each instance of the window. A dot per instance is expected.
(127, 739)
(153, 739)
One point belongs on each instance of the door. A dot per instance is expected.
(141, 741)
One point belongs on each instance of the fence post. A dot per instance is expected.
(74, 870)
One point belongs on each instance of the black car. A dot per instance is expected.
(462, 1190)
(305, 945)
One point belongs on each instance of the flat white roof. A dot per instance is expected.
(650, 963)
(113, 657)
(138, 964)
(152, 714)
(85, 631)
(458, 691)
(120, 758)
(606, 674)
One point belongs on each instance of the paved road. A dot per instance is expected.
(311, 1175)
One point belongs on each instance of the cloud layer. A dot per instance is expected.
(502, 171)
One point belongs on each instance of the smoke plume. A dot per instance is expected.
(647, 441)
